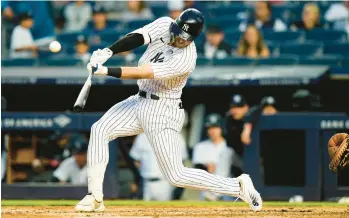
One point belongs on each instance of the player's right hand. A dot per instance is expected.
(98, 69)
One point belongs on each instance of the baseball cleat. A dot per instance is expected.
(89, 204)
(249, 194)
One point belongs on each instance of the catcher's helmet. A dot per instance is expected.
(213, 120)
(188, 25)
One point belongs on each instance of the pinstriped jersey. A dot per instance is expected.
(171, 65)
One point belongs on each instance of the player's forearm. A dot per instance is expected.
(127, 43)
(142, 72)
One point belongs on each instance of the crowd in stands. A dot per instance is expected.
(260, 29)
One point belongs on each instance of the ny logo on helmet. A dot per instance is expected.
(185, 27)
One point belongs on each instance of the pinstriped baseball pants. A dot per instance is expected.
(161, 120)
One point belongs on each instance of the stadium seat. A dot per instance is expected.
(337, 48)
(135, 24)
(202, 61)
(159, 10)
(306, 49)
(68, 37)
(95, 47)
(233, 61)
(324, 60)
(112, 36)
(282, 60)
(326, 35)
(60, 62)
(233, 36)
(18, 62)
(216, 11)
(282, 36)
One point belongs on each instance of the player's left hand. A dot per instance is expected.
(101, 56)
(99, 69)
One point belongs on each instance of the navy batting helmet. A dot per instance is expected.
(213, 120)
(188, 25)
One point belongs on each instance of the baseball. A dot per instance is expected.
(55, 46)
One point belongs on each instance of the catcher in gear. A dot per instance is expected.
(338, 150)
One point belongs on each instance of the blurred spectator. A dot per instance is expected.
(234, 128)
(43, 29)
(74, 169)
(263, 18)
(252, 44)
(77, 15)
(213, 154)
(155, 186)
(310, 18)
(99, 24)
(129, 56)
(22, 42)
(175, 8)
(192, 4)
(268, 104)
(215, 46)
(59, 24)
(7, 11)
(137, 10)
(338, 13)
(81, 49)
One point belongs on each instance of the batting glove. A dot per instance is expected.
(98, 69)
(101, 56)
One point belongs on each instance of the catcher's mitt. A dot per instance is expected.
(338, 149)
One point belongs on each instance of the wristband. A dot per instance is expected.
(114, 72)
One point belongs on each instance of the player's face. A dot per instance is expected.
(214, 132)
(269, 110)
(238, 112)
(180, 43)
(81, 159)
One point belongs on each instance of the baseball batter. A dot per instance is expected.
(156, 109)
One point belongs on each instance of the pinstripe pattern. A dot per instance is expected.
(170, 75)
(161, 120)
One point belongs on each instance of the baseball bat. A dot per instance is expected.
(83, 95)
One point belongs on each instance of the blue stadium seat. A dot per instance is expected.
(337, 48)
(68, 37)
(116, 61)
(135, 24)
(326, 35)
(95, 47)
(233, 36)
(159, 10)
(216, 11)
(112, 36)
(324, 60)
(60, 62)
(282, 60)
(18, 62)
(227, 23)
(306, 49)
(233, 61)
(202, 61)
(282, 36)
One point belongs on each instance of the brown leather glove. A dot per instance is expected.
(338, 151)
